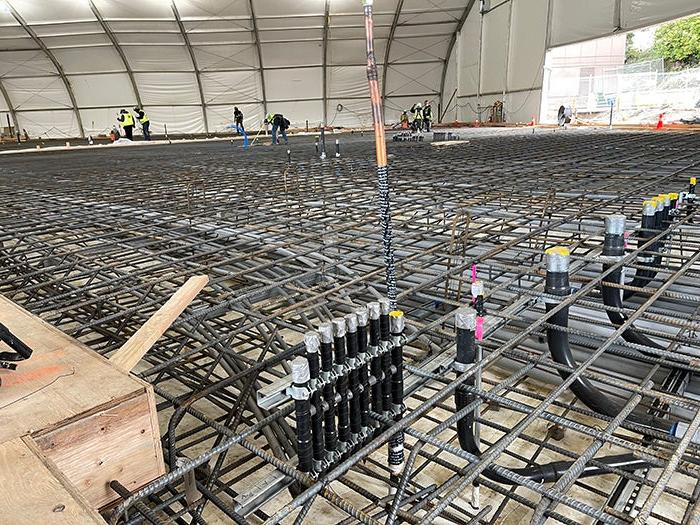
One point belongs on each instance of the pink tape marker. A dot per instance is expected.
(627, 235)
(473, 272)
(479, 332)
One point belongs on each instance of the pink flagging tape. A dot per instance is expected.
(479, 333)
(473, 272)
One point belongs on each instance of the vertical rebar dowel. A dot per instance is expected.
(376, 363)
(312, 343)
(339, 331)
(330, 433)
(396, 454)
(363, 375)
(385, 341)
(351, 340)
(302, 406)
(382, 164)
(323, 142)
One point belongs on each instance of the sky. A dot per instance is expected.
(644, 38)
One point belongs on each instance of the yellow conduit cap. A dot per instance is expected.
(558, 250)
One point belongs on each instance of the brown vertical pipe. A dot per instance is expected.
(382, 167)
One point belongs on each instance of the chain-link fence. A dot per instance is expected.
(637, 93)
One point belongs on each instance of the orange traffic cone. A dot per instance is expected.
(660, 123)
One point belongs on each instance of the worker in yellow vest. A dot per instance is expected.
(126, 120)
(144, 121)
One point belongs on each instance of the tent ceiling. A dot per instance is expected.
(77, 56)
(67, 66)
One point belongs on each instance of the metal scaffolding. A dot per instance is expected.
(95, 243)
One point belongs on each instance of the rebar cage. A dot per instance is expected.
(95, 242)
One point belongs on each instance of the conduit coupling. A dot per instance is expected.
(557, 278)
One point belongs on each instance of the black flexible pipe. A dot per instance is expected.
(614, 247)
(649, 229)
(557, 283)
(363, 375)
(302, 407)
(330, 434)
(351, 338)
(376, 362)
(465, 321)
(341, 385)
(384, 333)
(312, 343)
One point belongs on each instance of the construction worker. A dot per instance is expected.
(238, 120)
(417, 112)
(126, 120)
(427, 115)
(404, 120)
(145, 122)
(279, 123)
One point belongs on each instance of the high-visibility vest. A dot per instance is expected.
(144, 119)
(128, 120)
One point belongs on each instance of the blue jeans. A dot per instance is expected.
(276, 127)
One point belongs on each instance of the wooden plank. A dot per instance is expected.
(121, 442)
(61, 380)
(31, 493)
(128, 356)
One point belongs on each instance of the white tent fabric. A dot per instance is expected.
(68, 66)
(500, 49)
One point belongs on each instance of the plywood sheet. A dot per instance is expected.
(30, 493)
(120, 442)
(61, 380)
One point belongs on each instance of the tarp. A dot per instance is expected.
(66, 67)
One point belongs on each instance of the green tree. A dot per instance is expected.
(678, 43)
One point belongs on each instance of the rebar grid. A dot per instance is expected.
(95, 242)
